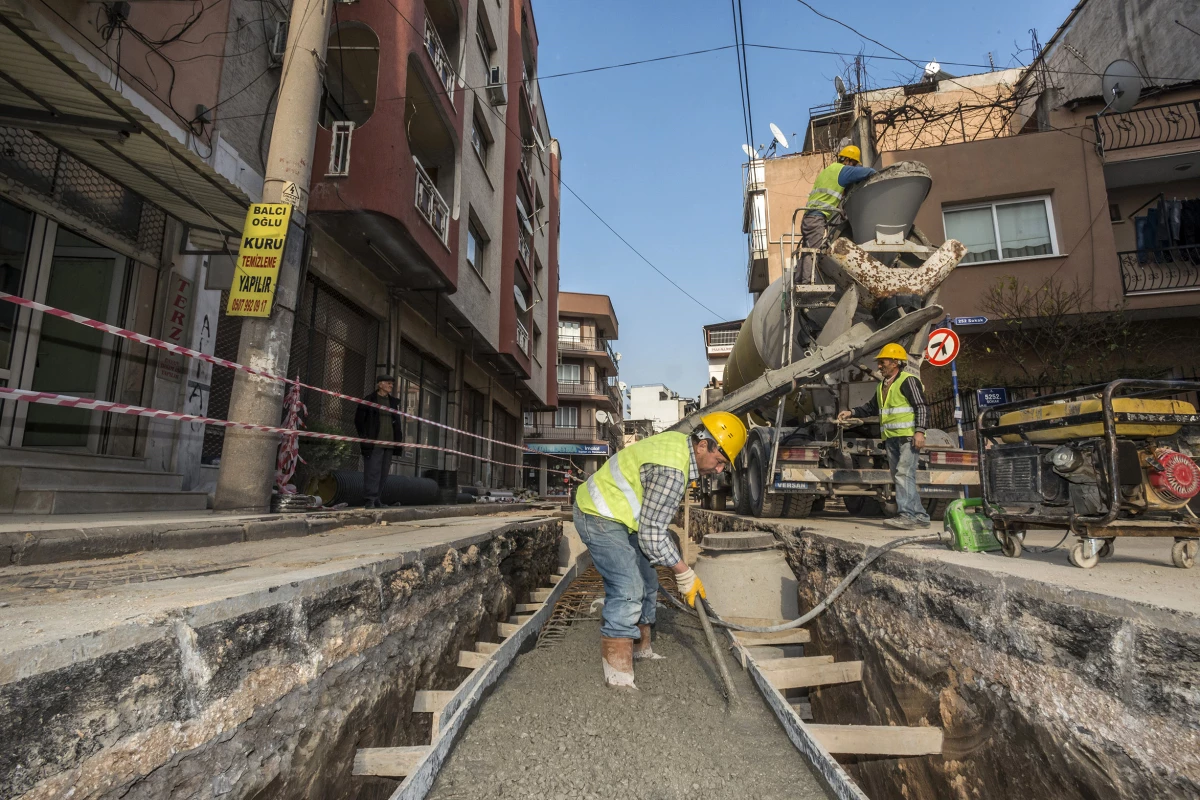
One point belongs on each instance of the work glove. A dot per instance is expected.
(689, 586)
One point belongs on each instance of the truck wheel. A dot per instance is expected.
(762, 502)
(860, 506)
(741, 497)
(799, 506)
(936, 508)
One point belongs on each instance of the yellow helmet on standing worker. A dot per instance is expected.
(893, 350)
(851, 151)
(728, 431)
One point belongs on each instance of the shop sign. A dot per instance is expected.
(177, 322)
(256, 272)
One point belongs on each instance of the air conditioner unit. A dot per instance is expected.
(497, 92)
(278, 43)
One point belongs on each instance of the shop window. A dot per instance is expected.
(351, 75)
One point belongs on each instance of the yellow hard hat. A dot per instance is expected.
(893, 350)
(728, 430)
(851, 151)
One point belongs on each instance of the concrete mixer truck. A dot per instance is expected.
(804, 352)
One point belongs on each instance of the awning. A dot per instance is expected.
(45, 87)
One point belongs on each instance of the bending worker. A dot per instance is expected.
(622, 513)
(899, 401)
(826, 198)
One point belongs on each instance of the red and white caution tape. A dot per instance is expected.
(142, 338)
(68, 401)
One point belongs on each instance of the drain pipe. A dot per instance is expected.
(816, 610)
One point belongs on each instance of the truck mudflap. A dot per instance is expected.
(931, 483)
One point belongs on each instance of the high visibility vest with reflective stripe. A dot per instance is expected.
(615, 490)
(827, 192)
(896, 416)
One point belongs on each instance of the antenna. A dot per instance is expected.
(1123, 83)
(749, 151)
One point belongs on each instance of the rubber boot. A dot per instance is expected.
(643, 650)
(617, 657)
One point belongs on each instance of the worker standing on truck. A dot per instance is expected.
(622, 513)
(899, 401)
(826, 198)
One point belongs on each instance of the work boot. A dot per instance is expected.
(643, 650)
(617, 657)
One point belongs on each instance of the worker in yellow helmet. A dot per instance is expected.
(825, 198)
(899, 401)
(622, 513)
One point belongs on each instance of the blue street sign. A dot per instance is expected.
(970, 320)
(986, 398)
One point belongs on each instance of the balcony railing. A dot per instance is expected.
(1170, 122)
(718, 338)
(588, 434)
(430, 203)
(523, 247)
(1167, 269)
(587, 345)
(522, 337)
(614, 394)
(594, 388)
(441, 61)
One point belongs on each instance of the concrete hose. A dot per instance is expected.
(820, 607)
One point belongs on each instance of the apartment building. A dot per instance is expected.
(1044, 185)
(586, 428)
(719, 338)
(658, 404)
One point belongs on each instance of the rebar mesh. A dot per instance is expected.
(579, 602)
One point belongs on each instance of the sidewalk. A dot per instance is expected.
(46, 539)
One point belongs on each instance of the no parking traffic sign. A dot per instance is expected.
(942, 348)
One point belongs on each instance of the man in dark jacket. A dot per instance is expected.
(372, 423)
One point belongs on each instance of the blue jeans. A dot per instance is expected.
(902, 458)
(630, 582)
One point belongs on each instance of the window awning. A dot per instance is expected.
(47, 86)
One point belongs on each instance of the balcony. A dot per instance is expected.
(582, 388)
(1168, 269)
(1170, 122)
(430, 203)
(441, 61)
(522, 337)
(614, 395)
(588, 434)
(720, 342)
(523, 249)
(587, 345)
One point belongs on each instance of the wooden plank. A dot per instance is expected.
(815, 675)
(770, 664)
(528, 608)
(797, 636)
(389, 762)
(519, 619)
(878, 740)
(540, 595)
(486, 647)
(507, 629)
(431, 702)
(554, 579)
(471, 660)
(563, 570)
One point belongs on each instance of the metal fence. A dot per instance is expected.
(1164, 269)
(1170, 122)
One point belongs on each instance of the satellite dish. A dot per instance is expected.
(748, 151)
(840, 86)
(932, 68)
(779, 137)
(603, 417)
(1123, 84)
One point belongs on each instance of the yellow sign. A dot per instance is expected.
(257, 269)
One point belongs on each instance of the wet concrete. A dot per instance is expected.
(553, 730)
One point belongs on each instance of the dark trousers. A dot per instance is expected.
(812, 228)
(375, 471)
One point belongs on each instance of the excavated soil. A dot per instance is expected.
(552, 730)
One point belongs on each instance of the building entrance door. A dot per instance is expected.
(64, 357)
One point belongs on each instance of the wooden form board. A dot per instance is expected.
(486, 647)
(878, 740)
(431, 702)
(541, 595)
(453, 717)
(389, 762)
(768, 664)
(472, 660)
(527, 608)
(797, 636)
(507, 629)
(814, 674)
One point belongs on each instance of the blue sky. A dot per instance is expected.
(656, 149)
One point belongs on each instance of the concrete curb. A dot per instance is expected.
(76, 543)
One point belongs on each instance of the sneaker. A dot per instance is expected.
(903, 523)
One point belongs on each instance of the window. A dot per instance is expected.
(479, 139)
(568, 330)
(566, 417)
(528, 419)
(484, 40)
(569, 373)
(1004, 231)
(476, 248)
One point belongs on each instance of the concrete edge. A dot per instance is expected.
(1159, 616)
(474, 689)
(73, 542)
(44, 657)
(829, 772)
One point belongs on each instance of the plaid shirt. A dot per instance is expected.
(663, 490)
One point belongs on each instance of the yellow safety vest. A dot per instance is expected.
(896, 417)
(615, 490)
(827, 192)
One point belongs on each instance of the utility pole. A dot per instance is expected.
(248, 458)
